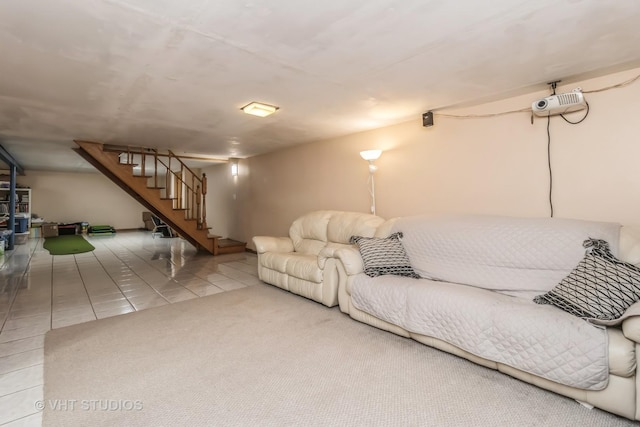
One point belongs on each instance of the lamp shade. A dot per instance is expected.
(370, 154)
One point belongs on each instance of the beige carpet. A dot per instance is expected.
(262, 357)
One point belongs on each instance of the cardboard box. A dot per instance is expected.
(49, 230)
(146, 216)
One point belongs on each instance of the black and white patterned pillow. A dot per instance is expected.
(384, 256)
(600, 287)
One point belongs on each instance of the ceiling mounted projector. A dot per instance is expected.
(559, 104)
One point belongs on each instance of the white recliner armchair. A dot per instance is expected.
(303, 263)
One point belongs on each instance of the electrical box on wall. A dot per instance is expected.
(427, 119)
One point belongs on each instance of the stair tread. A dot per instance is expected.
(156, 188)
(229, 242)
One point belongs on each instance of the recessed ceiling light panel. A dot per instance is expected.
(259, 109)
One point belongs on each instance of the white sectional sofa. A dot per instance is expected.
(304, 262)
(474, 298)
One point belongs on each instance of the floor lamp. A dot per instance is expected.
(371, 156)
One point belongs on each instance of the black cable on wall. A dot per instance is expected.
(528, 110)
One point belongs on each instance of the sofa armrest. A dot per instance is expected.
(631, 328)
(328, 252)
(631, 323)
(272, 244)
(351, 260)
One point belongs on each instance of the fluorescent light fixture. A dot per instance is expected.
(371, 154)
(260, 110)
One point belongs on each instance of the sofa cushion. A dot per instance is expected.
(502, 253)
(275, 260)
(304, 267)
(629, 244)
(309, 232)
(294, 264)
(600, 287)
(384, 256)
(385, 228)
(343, 225)
(382, 297)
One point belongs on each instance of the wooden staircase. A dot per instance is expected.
(182, 209)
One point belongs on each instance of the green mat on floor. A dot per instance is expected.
(66, 245)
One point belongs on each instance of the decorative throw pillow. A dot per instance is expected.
(384, 256)
(600, 287)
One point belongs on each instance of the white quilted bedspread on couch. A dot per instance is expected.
(541, 340)
(498, 252)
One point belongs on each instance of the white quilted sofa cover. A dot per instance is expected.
(304, 262)
(479, 276)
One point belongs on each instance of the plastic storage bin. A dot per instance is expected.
(21, 238)
(22, 225)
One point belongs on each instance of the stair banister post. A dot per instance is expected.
(170, 185)
(198, 204)
(143, 160)
(193, 198)
(189, 197)
(182, 195)
(155, 168)
(204, 205)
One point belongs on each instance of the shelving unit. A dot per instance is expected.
(23, 201)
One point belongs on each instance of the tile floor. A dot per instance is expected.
(128, 272)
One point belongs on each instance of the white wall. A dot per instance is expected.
(74, 197)
(221, 200)
(494, 165)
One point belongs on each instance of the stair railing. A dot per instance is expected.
(193, 189)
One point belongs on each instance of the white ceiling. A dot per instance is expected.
(174, 73)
